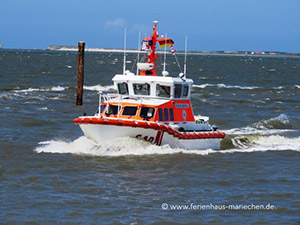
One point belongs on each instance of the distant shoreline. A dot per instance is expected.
(221, 53)
(135, 51)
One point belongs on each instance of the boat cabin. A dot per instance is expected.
(153, 86)
(152, 98)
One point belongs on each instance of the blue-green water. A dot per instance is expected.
(51, 174)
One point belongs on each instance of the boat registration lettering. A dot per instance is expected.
(146, 138)
(181, 105)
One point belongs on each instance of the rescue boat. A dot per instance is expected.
(151, 107)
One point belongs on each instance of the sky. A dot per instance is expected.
(210, 25)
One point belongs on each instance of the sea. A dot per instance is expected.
(51, 174)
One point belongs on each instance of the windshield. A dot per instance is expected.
(141, 89)
(163, 91)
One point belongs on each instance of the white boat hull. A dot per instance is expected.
(100, 133)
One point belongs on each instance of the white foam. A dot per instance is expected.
(263, 127)
(237, 87)
(124, 146)
(252, 130)
(14, 95)
(43, 109)
(80, 146)
(57, 88)
(202, 85)
(297, 86)
(266, 143)
(99, 88)
(225, 86)
(130, 146)
(27, 90)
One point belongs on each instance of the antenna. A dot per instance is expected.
(165, 54)
(184, 67)
(138, 56)
(124, 63)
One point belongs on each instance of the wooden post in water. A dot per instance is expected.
(80, 76)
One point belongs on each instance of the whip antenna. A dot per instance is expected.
(124, 63)
(184, 67)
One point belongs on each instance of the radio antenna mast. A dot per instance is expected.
(124, 63)
(184, 67)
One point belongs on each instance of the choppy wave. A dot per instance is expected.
(32, 93)
(225, 86)
(99, 88)
(276, 125)
(19, 95)
(202, 86)
(264, 143)
(57, 88)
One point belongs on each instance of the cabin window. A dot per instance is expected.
(112, 110)
(185, 91)
(141, 89)
(123, 88)
(166, 114)
(171, 111)
(129, 111)
(102, 107)
(163, 91)
(160, 114)
(177, 90)
(147, 112)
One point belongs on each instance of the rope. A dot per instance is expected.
(178, 63)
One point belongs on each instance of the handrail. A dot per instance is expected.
(99, 107)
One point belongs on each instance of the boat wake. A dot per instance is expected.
(122, 146)
(133, 147)
(265, 135)
(276, 125)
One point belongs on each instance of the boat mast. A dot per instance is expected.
(138, 56)
(184, 67)
(152, 56)
(165, 55)
(124, 63)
